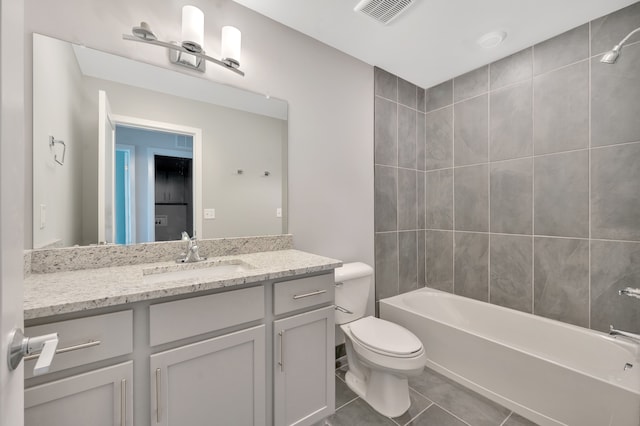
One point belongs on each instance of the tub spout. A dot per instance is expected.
(633, 336)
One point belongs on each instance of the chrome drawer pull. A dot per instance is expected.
(158, 375)
(313, 293)
(281, 362)
(123, 402)
(89, 344)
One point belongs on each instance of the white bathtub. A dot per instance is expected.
(548, 371)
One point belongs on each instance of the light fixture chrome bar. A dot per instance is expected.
(181, 50)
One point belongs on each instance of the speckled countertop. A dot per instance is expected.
(58, 293)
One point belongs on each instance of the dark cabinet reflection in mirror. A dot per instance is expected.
(174, 201)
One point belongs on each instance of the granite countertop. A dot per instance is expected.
(58, 293)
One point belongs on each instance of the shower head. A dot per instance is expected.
(611, 56)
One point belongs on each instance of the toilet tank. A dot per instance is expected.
(353, 283)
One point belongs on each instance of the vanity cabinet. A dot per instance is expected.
(102, 397)
(221, 378)
(304, 376)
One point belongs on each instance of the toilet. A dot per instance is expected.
(381, 355)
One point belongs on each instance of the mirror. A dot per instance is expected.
(126, 152)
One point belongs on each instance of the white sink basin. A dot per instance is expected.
(199, 270)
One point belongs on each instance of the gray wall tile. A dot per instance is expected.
(614, 266)
(439, 139)
(561, 194)
(615, 192)
(385, 84)
(421, 142)
(386, 198)
(406, 137)
(471, 271)
(567, 48)
(512, 69)
(561, 279)
(511, 194)
(439, 96)
(407, 93)
(386, 132)
(511, 282)
(511, 122)
(439, 260)
(471, 122)
(439, 199)
(407, 200)
(408, 261)
(608, 30)
(421, 198)
(386, 264)
(615, 99)
(471, 84)
(422, 259)
(421, 99)
(561, 109)
(471, 194)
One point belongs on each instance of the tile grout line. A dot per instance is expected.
(453, 191)
(417, 415)
(505, 420)
(589, 177)
(397, 188)
(533, 189)
(488, 192)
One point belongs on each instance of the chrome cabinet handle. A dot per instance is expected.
(88, 344)
(123, 402)
(313, 293)
(281, 362)
(158, 374)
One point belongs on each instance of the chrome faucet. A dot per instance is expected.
(192, 254)
(632, 336)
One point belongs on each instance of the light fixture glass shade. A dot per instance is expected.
(192, 28)
(231, 46)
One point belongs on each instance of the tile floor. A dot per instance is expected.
(435, 401)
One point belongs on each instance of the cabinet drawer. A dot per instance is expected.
(177, 320)
(302, 293)
(86, 340)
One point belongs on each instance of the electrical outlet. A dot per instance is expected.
(162, 220)
(209, 213)
(43, 216)
(279, 212)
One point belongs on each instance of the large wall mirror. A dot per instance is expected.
(125, 152)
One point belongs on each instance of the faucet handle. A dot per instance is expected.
(185, 236)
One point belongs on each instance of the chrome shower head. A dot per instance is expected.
(611, 56)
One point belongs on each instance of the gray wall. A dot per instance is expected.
(330, 148)
(525, 186)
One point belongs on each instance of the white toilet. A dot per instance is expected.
(381, 354)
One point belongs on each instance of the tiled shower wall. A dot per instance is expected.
(518, 183)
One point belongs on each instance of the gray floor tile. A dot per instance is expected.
(356, 413)
(463, 403)
(436, 416)
(418, 404)
(516, 420)
(343, 393)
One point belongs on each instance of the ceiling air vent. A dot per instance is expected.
(383, 11)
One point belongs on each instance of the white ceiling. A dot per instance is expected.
(433, 40)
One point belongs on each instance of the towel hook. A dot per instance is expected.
(52, 143)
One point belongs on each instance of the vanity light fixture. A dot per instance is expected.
(189, 52)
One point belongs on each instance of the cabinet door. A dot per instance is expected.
(220, 381)
(304, 361)
(98, 398)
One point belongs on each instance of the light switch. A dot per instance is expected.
(209, 213)
(279, 212)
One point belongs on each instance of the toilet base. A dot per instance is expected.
(384, 392)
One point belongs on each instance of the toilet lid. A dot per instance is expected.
(385, 336)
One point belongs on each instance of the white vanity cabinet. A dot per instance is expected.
(304, 379)
(221, 380)
(100, 396)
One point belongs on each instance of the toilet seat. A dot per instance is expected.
(385, 338)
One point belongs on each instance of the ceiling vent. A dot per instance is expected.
(383, 11)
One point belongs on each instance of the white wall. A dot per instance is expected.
(57, 187)
(330, 97)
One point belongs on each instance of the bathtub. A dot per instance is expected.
(547, 371)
